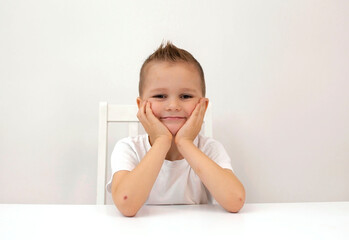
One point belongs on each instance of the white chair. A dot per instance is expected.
(111, 113)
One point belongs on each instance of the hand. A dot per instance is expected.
(152, 125)
(192, 126)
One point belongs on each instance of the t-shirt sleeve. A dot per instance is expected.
(123, 157)
(217, 153)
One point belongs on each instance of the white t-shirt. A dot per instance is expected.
(177, 183)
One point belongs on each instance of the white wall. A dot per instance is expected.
(276, 73)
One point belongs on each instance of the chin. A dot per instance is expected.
(173, 131)
(174, 128)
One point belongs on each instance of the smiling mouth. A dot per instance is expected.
(172, 118)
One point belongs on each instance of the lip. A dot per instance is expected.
(172, 118)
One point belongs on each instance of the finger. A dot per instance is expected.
(141, 110)
(144, 105)
(203, 111)
(151, 118)
(193, 118)
(197, 110)
(149, 112)
(142, 113)
(203, 106)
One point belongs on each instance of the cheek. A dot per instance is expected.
(190, 108)
(155, 107)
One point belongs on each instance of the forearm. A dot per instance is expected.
(222, 183)
(132, 192)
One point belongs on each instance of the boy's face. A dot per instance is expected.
(173, 89)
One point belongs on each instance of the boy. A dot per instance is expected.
(172, 163)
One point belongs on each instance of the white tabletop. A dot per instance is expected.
(267, 221)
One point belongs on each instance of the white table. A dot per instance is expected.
(255, 221)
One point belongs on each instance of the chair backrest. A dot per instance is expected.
(111, 113)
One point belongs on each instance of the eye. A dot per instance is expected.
(159, 96)
(186, 96)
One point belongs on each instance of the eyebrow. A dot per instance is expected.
(182, 89)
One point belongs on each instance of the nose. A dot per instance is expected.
(173, 105)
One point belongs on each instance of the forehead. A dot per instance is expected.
(172, 76)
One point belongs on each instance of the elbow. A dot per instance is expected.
(126, 207)
(236, 203)
(235, 206)
(128, 212)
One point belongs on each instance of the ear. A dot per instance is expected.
(139, 101)
(206, 103)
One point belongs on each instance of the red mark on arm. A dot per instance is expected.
(125, 197)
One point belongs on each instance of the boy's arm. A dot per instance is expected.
(131, 189)
(222, 183)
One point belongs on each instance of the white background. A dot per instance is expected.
(276, 73)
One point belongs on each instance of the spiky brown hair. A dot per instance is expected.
(170, 53)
